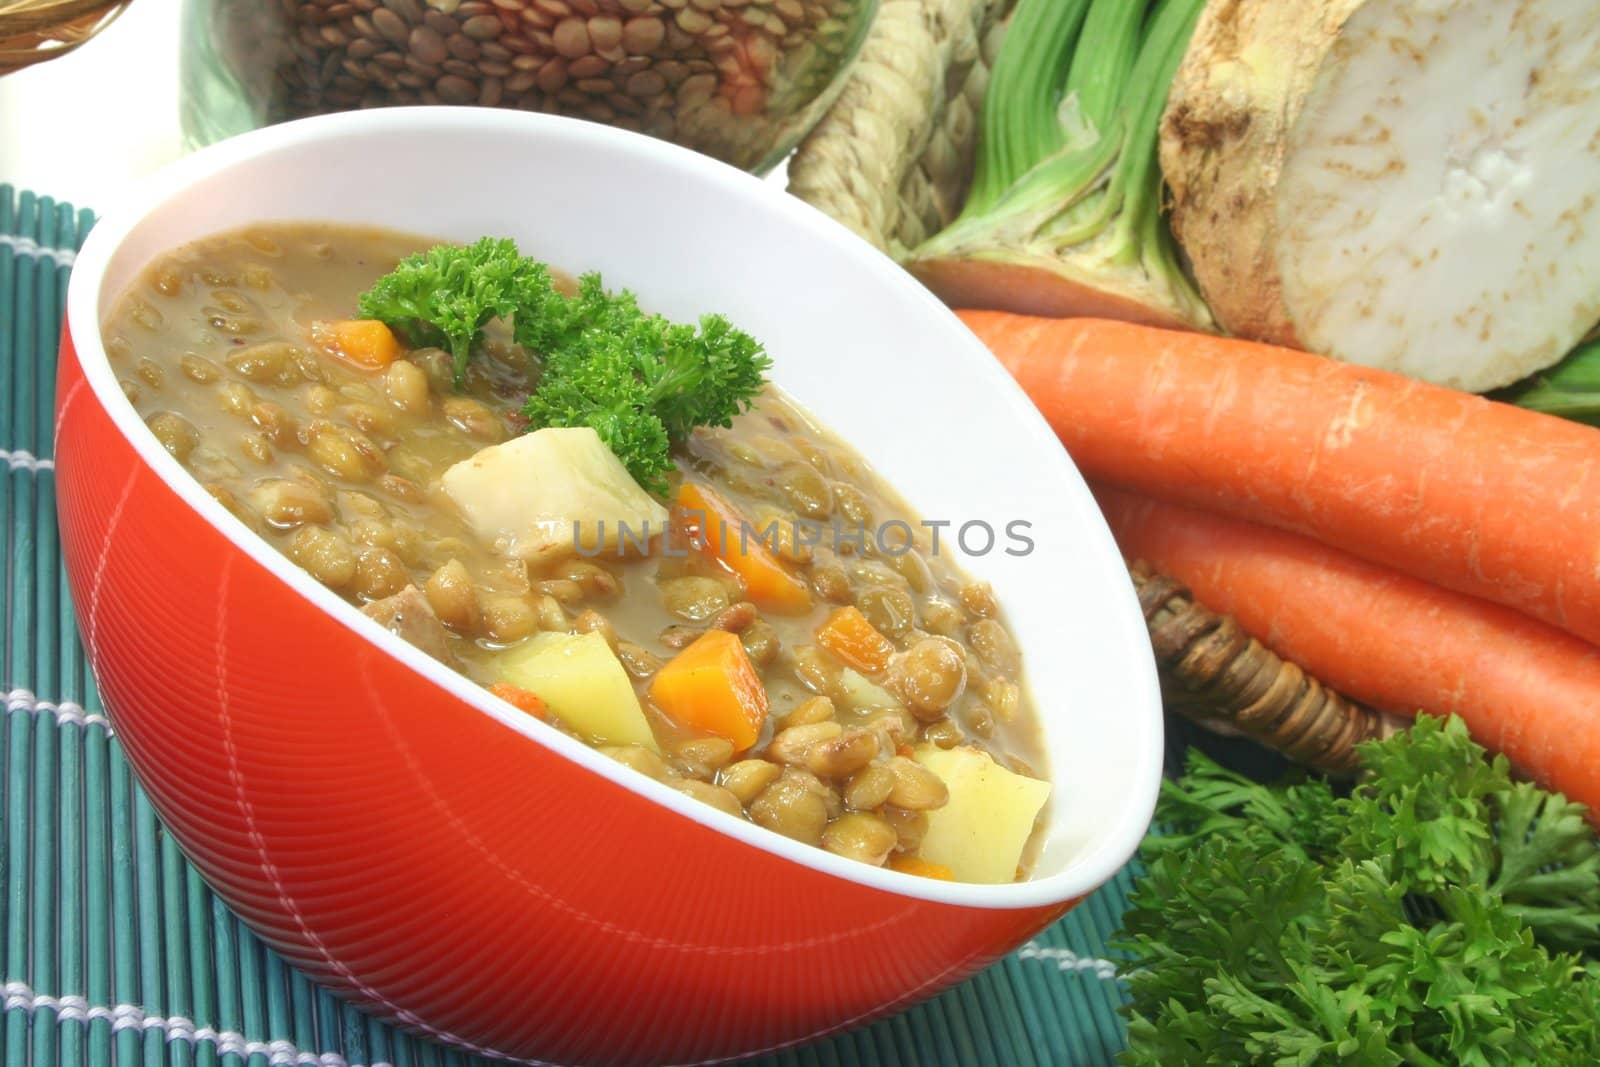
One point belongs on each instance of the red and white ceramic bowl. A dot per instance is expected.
(467, 871)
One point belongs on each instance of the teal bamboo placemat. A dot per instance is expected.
(117, 953)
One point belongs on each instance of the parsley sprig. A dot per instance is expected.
(444, 297)
(639, 380)
(1442, 913)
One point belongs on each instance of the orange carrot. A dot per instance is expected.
(522, 700)
(920, 867)
(1524, 688)
(711, 686)
(364, 342)
(848, 635)
(1477, 496)
(720, 532)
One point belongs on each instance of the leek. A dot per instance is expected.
(1064, 214)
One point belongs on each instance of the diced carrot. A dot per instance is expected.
(522, 700)
(712, 686)
(848, 635)
(905, 750)
(920, 867)
(364, 342)
(716, 528)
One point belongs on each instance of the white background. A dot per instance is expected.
(79, 127)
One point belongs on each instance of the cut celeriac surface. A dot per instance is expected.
(1411, 186)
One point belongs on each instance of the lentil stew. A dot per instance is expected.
(853, 691)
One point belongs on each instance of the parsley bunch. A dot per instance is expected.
(1441, 913)
(639, 380)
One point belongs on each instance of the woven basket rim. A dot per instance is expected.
(34, 31)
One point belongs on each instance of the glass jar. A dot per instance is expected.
(741, 80)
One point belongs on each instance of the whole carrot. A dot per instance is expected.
(1386, 639)
(1477, 496)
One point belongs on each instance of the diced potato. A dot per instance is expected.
(582, 683)
(980, 833)
(551, 492)
(861, 692)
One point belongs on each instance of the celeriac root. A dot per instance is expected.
(1411, 186)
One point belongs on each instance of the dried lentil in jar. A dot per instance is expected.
(739, 80)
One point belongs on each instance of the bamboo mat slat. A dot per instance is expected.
(116, 954)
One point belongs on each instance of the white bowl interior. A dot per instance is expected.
(853, 338)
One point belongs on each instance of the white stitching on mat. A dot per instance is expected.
(66, 711)
(27, 246)
(280, 1053)
(24, 460)
(1067, 960)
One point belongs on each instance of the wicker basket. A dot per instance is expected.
(892, 160)
(32, 31)
(893, 157)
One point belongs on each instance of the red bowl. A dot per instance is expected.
(459, 868)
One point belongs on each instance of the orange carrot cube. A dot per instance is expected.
(522, 700)
(718, 530)
(848, 635)
(712, 686)
(920, 867)
(365, 342)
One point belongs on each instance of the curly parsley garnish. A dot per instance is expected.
(444, 297)
(640, 381)
(1442, 913)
